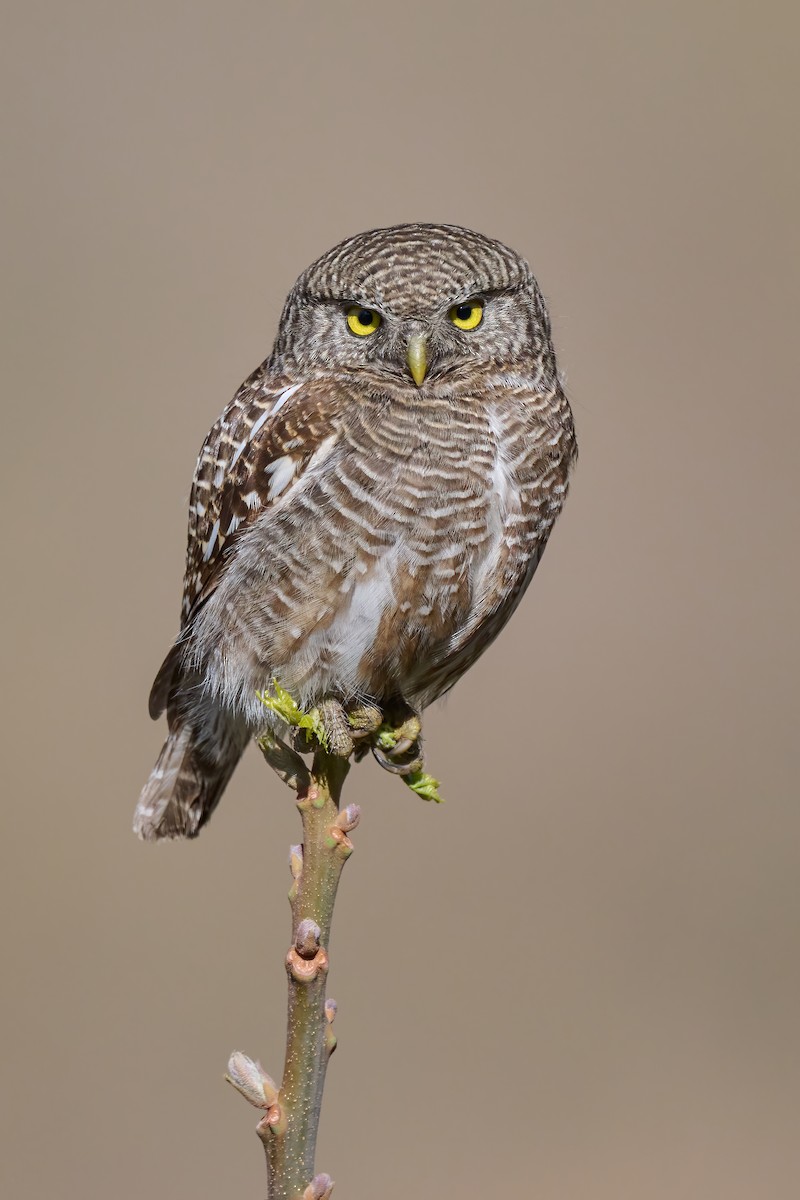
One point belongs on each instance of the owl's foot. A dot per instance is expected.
(397, 746)
(364, 719)
(405, 758)
(397, 742)
(394, 736)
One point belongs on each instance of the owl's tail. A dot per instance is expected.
(191, 774)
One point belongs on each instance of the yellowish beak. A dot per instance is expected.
(417, 357)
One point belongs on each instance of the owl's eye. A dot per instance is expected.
(467, 316)
(362, 321)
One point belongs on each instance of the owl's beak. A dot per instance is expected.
(417, 357)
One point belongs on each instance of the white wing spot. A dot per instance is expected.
(322, 451)
(238, 451)
(285, 395)
(209, 547)
(269, 411)
(282, 471)
(259, 422)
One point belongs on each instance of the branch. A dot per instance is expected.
(289, 1127)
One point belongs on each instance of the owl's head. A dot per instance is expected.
(419, 304)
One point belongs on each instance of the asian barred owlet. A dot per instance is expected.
(370, 507)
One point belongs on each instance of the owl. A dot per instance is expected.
(369, 509)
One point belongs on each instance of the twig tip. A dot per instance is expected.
(320, 1188)
(348, 818)
(251, 1080)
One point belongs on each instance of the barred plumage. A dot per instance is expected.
(357, 532)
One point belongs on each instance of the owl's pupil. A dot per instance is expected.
(464, 312)
(365, 317)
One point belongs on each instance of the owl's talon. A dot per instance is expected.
(401, 748)
(397, 768)
(397, 742)
(400, 759)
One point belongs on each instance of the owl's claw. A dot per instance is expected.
(405, 767)
(401, 748)
(397, 743)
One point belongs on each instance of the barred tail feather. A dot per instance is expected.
(186, 784)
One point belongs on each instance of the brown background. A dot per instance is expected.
(580, 977)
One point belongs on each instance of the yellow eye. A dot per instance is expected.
(362, 321)
(467, 316)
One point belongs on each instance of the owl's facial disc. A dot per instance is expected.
(417, 357)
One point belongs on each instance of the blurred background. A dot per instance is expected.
(587, 977)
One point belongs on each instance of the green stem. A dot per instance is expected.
(290, 1133)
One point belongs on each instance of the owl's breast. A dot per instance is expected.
(460, 489)
(370, 576)
(514, 481)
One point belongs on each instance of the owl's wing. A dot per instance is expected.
(261, 444)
